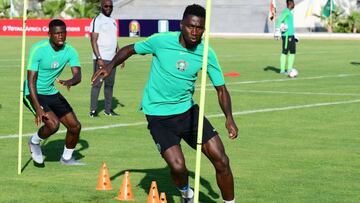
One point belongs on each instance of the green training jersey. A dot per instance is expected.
(173, 73)
(49, 64)
(287, 18)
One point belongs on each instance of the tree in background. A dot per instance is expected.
(53, 8)
(63, 8)
(354, 20)
(4, 8)
(83, 9)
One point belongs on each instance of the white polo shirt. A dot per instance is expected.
(106, 27)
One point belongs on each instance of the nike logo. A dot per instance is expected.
(183, 53)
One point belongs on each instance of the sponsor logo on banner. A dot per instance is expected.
(134, 28)
(39, 27)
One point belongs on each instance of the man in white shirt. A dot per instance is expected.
(104, 45)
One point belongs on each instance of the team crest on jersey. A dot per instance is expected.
(181, 65)
(55, 64)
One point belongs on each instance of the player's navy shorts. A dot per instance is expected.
(55, 103)
(291, 46)
(168, 131)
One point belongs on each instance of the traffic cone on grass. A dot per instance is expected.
(153, 196)
(104, 180)
(163, 197)
(125, 192)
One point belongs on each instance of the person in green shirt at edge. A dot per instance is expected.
(47, 60)
(288, 37)
(167, 100)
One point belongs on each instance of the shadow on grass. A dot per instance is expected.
(27, 163)
(53, 150)
(115, 103)
(272, 68)
(165, 183)
(355, 63)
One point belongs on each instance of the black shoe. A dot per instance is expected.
(93, 114)
(111, 113)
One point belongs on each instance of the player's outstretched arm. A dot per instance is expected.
(225, 104)
(76, 79)
(123, 54)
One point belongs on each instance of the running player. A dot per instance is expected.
(167, 100)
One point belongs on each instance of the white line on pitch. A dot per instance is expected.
(301, 93)
(287, 108)
(209, 116)
(286, 79)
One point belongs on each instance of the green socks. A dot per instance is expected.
(291, 62)
(282, 63)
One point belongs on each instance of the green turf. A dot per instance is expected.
(299, 138)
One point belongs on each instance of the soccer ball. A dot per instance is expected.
(283, 27)
(293, 73)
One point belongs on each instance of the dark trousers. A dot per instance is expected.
(108, 89)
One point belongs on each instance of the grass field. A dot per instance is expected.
(299, 138)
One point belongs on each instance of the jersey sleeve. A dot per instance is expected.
(34, 59)
(282, 18)
(214, 70)
(94, 25)
(147, 46)
(74, 58)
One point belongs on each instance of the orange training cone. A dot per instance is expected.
(153, 196)
(163, 197)
(125, 192)
(104, 180)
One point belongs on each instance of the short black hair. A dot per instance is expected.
(195, 10)
(56, 22)
(288, 1)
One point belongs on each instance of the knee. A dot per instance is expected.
(75, 128)
(53, 125)
(178, 167)
(223, 164)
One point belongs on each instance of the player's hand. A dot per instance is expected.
(66, 83)
(232, 128)
(40, 116)
(296, 39)
(100, 63)
(101, 73)
(277, 33)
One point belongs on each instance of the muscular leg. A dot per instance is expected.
(176, 161)
(215, 151)
(73, 127)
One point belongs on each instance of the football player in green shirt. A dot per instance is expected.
(167, 100)
(285, 29)
(47, 60)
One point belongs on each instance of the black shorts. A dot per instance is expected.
(55, 103)
(291, 46)
(168, 131)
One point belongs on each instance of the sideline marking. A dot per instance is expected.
(208, 116)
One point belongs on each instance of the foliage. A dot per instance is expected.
(4, 8)
(53, 8)
(85, 9)
(354, 21)
(65, 8)
(333, 21)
